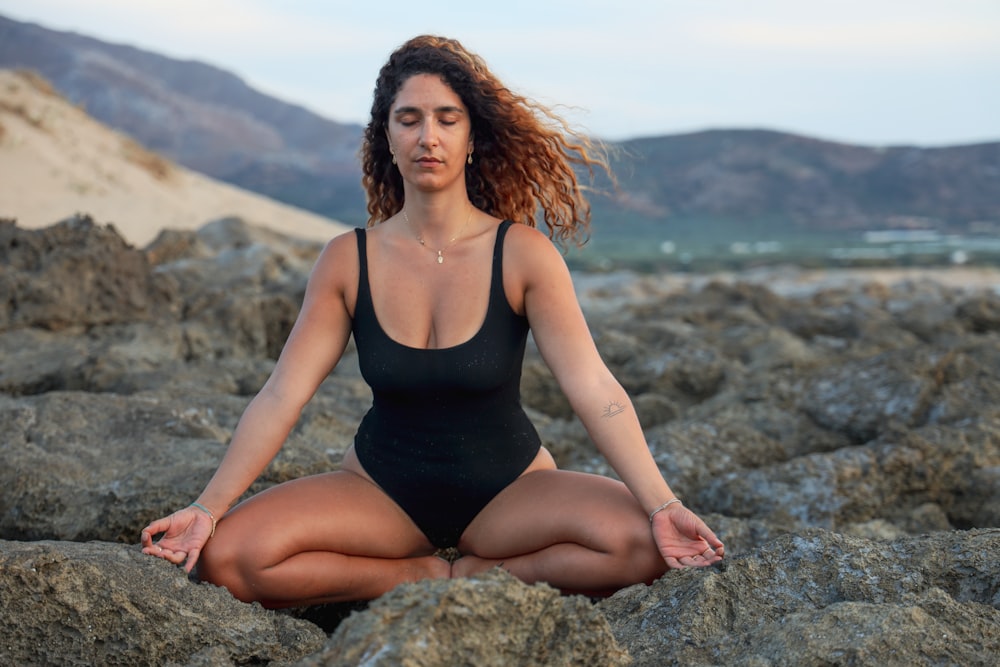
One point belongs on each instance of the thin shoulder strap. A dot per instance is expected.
(498, 252)
(362, 251)
(497, 294)
(362, 263)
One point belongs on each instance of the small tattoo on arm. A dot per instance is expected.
(613, 408)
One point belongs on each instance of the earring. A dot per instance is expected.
(394, 158)
(470, 157)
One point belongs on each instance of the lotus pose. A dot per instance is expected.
(440, 292)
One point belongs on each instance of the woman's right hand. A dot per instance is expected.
(184, 534)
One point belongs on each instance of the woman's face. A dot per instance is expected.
(429, 132)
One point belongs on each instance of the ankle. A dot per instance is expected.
(439, 568)
(468, 566)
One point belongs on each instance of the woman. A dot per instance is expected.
(439, 293)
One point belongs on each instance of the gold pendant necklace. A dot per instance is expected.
(440, 251)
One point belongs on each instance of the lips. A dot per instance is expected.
(428, 160)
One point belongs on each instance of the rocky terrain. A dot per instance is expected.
(842, 438)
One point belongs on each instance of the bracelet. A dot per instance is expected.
(210, 516)
(662, 507)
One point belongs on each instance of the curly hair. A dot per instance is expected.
(525, 155)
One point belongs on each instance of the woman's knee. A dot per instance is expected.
(223, 563)
(633, 545)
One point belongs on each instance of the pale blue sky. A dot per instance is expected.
(863, 71)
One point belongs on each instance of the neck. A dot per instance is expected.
(437, 222)
(440, 247)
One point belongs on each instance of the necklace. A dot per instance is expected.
(440, 251)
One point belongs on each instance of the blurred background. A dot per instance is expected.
(823, 134)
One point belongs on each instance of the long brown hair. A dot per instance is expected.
(524, 155)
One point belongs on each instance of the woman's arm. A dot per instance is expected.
(566, 345)
(314, 346)
(598, 399)
(313, 349)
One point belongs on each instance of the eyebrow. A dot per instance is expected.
(444, 109)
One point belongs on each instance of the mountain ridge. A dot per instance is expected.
(721, 183)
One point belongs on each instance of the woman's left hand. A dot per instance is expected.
(684, 540)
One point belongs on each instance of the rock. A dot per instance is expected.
(839, 440)
(76, 272)
(819, 598)
(886, 479)
(100, 466)
(980, 314)
(862, 398)
(492, 619)
(96, 603)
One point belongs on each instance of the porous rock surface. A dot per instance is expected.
(843, 441)
(489, 621)
(99, 603)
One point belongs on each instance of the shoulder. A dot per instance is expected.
(531, 260)
(336, 268)
(529, 244)
(529, 250)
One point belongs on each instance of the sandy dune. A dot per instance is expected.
(55, 160)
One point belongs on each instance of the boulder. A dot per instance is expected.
(819, 598)
(492, 619)
(95, 603)
(76, 272)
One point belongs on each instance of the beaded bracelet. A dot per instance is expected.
(210, 516)
(662, 507)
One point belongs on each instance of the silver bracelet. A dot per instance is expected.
(662, 507)
(210, 516)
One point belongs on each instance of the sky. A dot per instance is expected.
(872, 72)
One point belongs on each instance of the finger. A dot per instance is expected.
(175, 557)
(156, 550)
(192, 560)
(156, 527)
(673, 563)
(706, 533)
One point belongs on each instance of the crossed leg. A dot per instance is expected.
(576, 531)
(323, 538)
(336, 536)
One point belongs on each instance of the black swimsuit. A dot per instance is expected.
(446, 431)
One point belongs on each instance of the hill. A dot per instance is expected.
(811, 182)
(56, 161)
(732, 196)
(200, 116)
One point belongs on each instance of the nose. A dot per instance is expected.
(428, 133)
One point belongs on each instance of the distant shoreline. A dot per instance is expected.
(789, 280)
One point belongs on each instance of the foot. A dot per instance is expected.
(439, 568)
(467, 566)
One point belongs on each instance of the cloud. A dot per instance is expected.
(624, 68)
(902, 38)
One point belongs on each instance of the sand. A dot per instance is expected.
(56, 161)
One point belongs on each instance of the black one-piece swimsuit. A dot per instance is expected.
(446, 431)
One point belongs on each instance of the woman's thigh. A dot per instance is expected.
(337, 512)
(550, 507)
